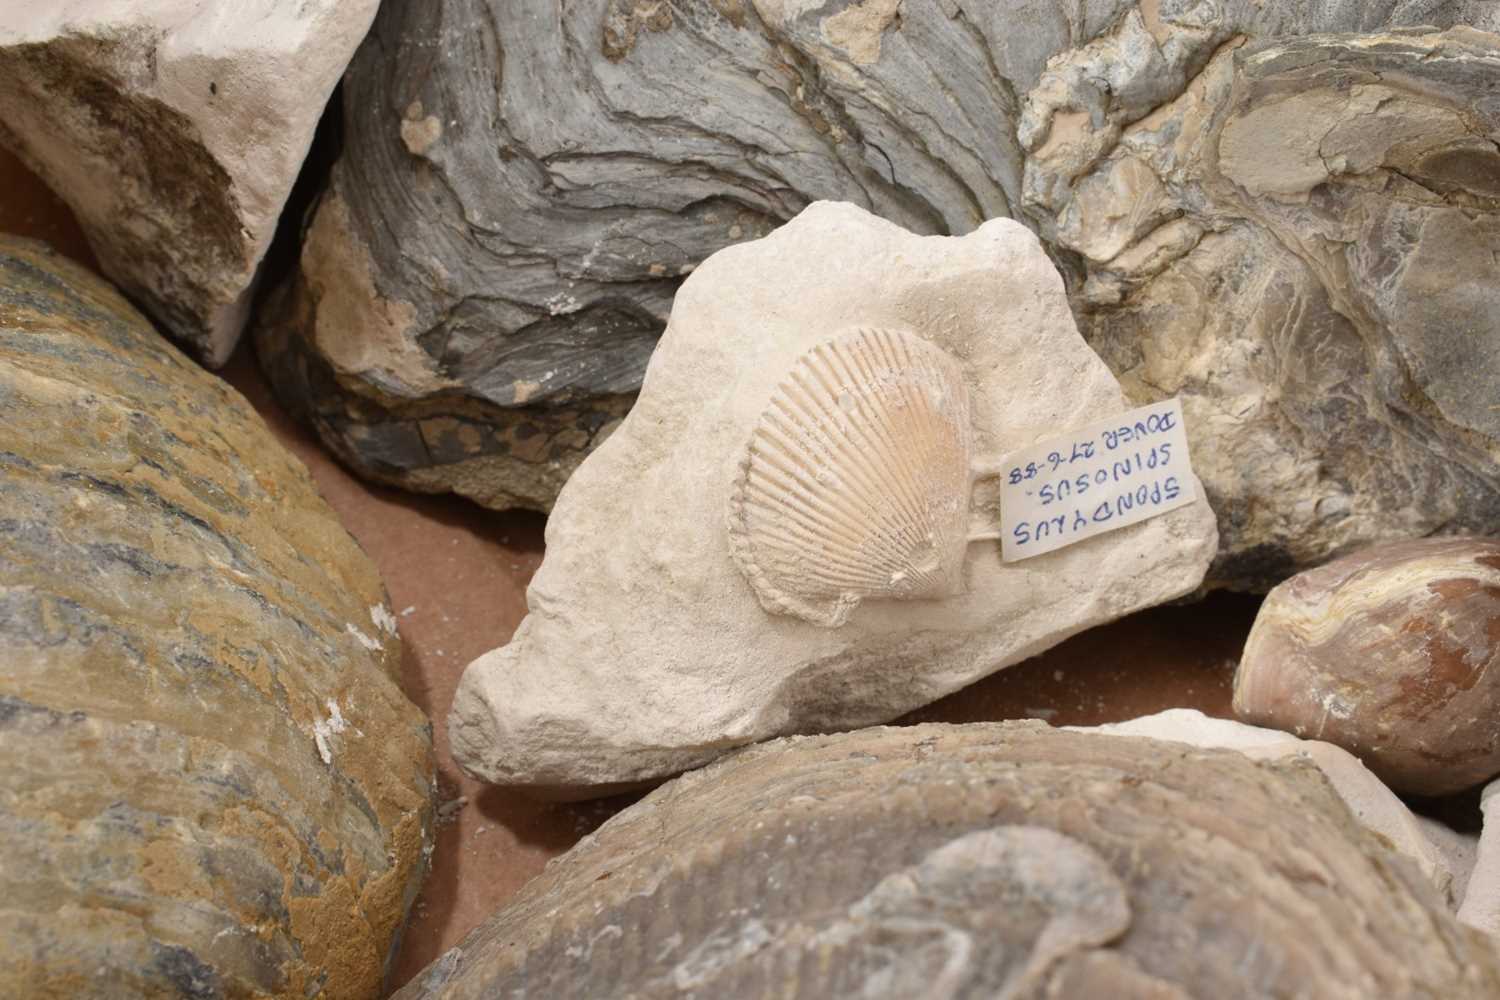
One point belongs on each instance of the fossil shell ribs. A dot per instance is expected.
(855, 483)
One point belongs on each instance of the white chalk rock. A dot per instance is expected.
(674, 616)
(1481, 902)
(174, 129)
(1375, 806)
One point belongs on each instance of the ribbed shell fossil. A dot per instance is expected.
(998, 861)
(855, 482)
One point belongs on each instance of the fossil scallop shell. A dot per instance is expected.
(855, 483)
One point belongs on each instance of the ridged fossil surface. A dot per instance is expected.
(992, 860)
(855, 482)
(211, 785)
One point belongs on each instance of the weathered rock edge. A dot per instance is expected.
(175, 130)
(212, 783)
(1121, 866)
(1299, 238)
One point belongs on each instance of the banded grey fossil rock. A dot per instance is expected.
(1370, 802)
(1005, 860)
(1300, 238)
(174, 130)
(212, 785)
(1481, 905)
(654, 642)
(525, 183)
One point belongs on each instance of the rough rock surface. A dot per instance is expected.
(1458, 851)
(174, 130)
(1370, 801)
(646, 651)
(524, 183)
(1481, 905)
(212, 784)
(1300, 238)
(1006, 860)
(1392, 653)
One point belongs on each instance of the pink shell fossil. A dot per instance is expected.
(1392, 653)
(855, 482)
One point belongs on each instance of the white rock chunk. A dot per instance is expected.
(174, 130)
(647, 650)
(1368, 799)
(1481, 904)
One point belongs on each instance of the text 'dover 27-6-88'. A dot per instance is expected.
(1104, 476)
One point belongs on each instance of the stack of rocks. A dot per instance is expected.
(758, 298)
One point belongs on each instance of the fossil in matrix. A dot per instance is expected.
(988, 860)
(1297, 234)
(855, 482)
(809, 449)
(475, 303)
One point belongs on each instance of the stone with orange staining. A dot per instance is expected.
(1392, 653)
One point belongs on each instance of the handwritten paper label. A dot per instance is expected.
(1107, 475)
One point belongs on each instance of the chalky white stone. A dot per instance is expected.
(647, 649)
(174, 130)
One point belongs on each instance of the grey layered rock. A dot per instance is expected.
(995, 860)
(212, 785)
(1300, 238)
(680, 611)
(174, 130)
(1374, 805)
(525, 184)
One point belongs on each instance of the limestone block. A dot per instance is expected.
(655, 641)
(174, 129)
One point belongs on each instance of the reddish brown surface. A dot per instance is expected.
(1171, 657)
(457, 576)
(29, 208)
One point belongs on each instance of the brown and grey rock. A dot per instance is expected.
(212, 783)
(524, 184)
(174, 130)
(1392, 653)
(1374, 805)
(1300, 238)
(648, 648)
(1006, 860)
